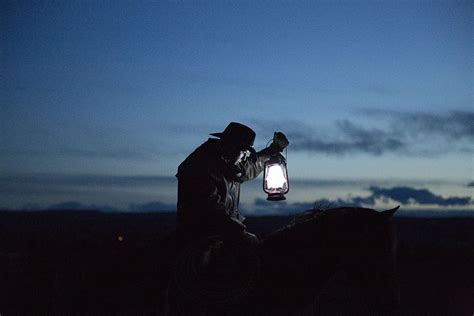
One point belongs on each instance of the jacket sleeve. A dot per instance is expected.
(253, 167)
(208, 196)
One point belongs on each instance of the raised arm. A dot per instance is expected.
(254, 166)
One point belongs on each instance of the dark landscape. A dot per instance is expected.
(89, 262)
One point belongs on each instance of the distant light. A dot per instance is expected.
(120, 238)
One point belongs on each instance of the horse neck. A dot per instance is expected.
(304, 252)
(370, 262)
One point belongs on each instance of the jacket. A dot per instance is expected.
(209, 192)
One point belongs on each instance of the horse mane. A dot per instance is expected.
(306, 216)
(319, 213)
(320, 216)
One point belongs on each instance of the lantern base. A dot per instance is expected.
(276, 197)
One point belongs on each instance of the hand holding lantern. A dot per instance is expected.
(280, 142)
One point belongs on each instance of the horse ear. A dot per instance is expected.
(389, 213)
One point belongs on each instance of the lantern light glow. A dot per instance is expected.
(275, 178)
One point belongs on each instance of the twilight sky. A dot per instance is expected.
(101, 100)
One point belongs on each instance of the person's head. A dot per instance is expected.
(236, 142)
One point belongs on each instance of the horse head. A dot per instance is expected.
(316, 244)
(364, 243)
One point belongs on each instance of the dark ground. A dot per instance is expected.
(72, 262)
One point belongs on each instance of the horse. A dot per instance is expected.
(289, 270)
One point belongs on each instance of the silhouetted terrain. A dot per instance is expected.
(57, 262)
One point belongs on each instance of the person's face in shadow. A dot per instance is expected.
(235, 154)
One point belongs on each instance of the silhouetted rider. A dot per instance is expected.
(209, 184)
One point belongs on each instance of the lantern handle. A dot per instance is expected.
(270, 141)
(286, 150)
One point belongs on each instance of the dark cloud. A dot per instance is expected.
(453, 125)
(430, 132)
(395, 132)
(407, 195)
(470, 184)
(348, 138)
(404, 195)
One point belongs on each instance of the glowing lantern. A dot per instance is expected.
(275, 178)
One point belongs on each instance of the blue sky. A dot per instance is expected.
(370, 94)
